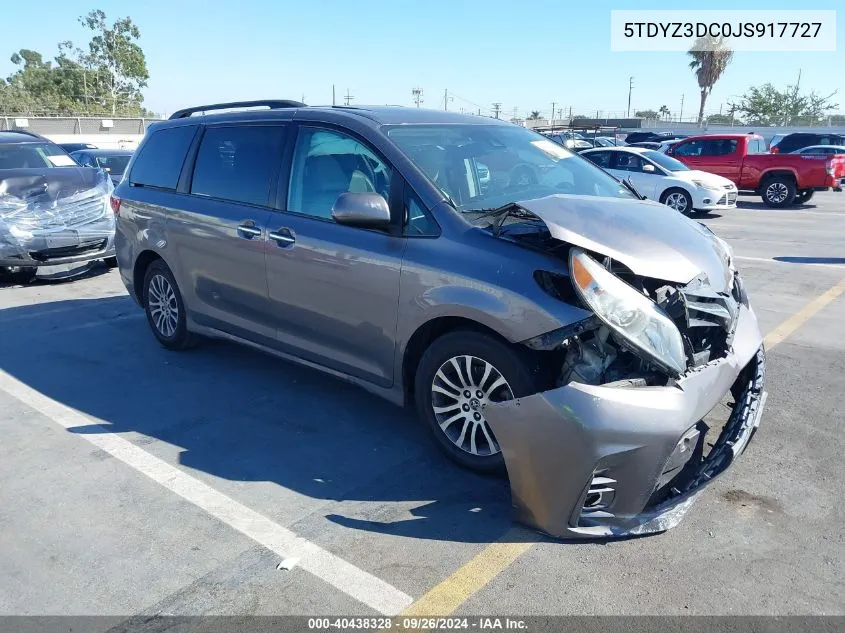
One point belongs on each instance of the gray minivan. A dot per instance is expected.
(550, 322)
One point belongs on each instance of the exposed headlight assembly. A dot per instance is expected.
(629, 313)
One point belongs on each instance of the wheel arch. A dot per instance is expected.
(142, 263)
(426, 334)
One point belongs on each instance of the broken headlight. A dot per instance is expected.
(629, 313)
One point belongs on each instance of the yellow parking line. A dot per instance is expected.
(450, 594)
(802, 316)
(445, 598)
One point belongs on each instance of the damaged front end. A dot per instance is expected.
(55, 220)
(657, 393)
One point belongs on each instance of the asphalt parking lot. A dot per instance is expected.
(141, 481)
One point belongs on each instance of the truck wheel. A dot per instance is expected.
(804, 196)
(779, 192)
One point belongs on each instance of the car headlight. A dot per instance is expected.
(704, 185)
(629, 313)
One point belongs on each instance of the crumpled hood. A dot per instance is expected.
(649, 238)
(48, 183)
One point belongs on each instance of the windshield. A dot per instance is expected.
(33, 156)
(483, 167)
(666, 162)
(115, 164)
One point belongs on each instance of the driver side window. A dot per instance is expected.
(327, 163)
(629, 162)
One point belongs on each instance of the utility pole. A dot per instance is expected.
(681, 114)
(417, 94)
(333, 103)
(515, 112)
(445, 99)
(630, 88)
(497, 107)
(348, 97)
(552, 120)
(570, 113)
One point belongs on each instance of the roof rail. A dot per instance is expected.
(273, 104)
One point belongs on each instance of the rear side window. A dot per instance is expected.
(756, 146)
(602, 159)
(237, 163)
(159, 161)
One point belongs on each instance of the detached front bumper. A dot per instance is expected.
(596, 461)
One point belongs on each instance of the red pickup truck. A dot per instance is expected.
(781, 179)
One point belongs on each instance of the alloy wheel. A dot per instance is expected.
(677, 201)
(163, 306)
(777, 192)
(459, 391)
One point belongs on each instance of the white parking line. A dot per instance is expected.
(769, 260)
(357, 583)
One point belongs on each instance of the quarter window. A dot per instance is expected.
(160, 159)
(237, 163)
(328, 163)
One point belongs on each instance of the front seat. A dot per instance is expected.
(325, 179)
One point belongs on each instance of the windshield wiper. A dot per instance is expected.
(630, 186)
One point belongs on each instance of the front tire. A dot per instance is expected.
(678, 199)
(165, 309)
(456, 375)
(779, 192)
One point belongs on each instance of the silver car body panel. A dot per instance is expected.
(649, 238)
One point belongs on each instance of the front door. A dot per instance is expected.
(334, 289)
(220, 233)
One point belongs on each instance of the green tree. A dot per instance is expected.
(115, 60)
(535, 114)
(720, 119)
(646, 114)
(837, 119)
(766, 105)
(710, 57)
(664, 112)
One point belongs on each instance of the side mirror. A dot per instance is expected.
(365, 210)
(649, 169)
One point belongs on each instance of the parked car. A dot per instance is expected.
(825, 150)
(791, 142)
(655, 145)
(662, 178)
(780, 179)
(608, 141)
(558, 325)
(571, 140)
(75, 147)
(54, 215)
(111, 161)
(659, 137)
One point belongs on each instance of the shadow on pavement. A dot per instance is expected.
(811, 260)
(248, 417)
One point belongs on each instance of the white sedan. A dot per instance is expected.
(660, 177)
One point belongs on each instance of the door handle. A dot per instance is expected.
(283, 237)
(248, 231)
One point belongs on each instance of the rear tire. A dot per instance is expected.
(19, 274)
(165, 309)
(778, 192)
(458, 425)
(804, 196)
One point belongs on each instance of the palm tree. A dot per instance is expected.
(664, 112)
(710, 58)
(535, 114)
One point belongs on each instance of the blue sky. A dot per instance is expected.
(524, 55)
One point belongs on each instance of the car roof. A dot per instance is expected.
(377, 115)
(104, 152)
(719, 137)
(802, 149)
(621, 148)
(15, 136)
